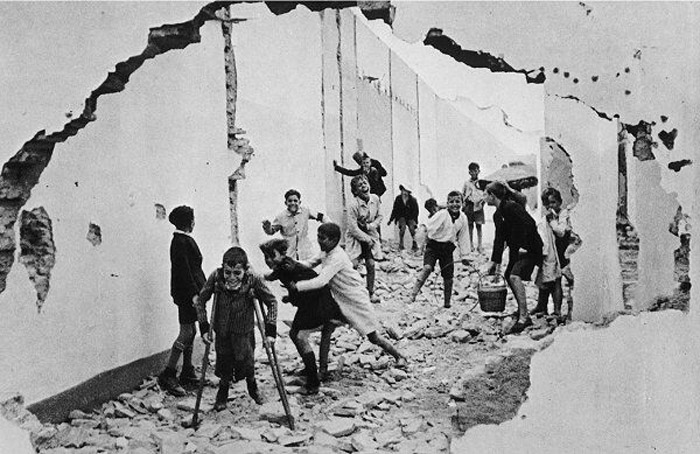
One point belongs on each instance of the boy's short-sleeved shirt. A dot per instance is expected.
(440, 227)
(295, 228)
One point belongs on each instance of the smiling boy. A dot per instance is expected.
(293, 224)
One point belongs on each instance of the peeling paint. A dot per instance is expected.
(668, 138)
(676, 166)
(160, 212)
(94, 234)
(37, 250)
(643, 140)
(477, 59)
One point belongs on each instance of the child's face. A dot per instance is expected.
(325, 243)
(454, 204)
(292, 203)
(490, 199)
(366, 164)
(275, 260)
(553, 204)
(363, 187)
(474, 173)
(234, 273)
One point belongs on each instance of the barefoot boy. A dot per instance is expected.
(446, 230)
(346, 287)
(474, 205)
(315, 309)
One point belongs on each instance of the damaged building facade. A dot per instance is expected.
(86, 184)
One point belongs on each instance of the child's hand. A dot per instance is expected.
(206, 338)
(270, 339)
(267, 227)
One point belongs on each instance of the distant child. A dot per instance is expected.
(517, 230)
(315, 309)
(293, 224)
(474, 205)
(362, 241)
(346, 287)
(236, 286)
(186, 280)
(446, 230)
(559, 244)
(405, 214)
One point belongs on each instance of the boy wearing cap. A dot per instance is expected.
(405, 214)
(370, 168)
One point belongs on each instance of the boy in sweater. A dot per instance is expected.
(446, 231)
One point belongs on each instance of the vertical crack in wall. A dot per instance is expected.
(37, 250)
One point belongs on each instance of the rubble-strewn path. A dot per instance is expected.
(463, 371)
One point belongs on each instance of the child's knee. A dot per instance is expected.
(428, 268)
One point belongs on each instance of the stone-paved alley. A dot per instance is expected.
(462, 372)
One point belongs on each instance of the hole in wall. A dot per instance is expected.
(94, 234)
(160, 212)
(37, 250)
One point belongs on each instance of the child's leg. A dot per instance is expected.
(471, 234)
(253, 391)
(448, 292)
(557, 296)
(300, 338)
(381, 341)
(542, 299)
(422, 276)
(184, 340)
(325, 348)
(402, 231)
(412, 231)
(478, 237)
(369, 264)
(570, 300)
(518, 289)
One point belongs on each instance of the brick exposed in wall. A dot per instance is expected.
(37, 250)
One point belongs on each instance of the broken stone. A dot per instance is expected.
(293, 440)
(460, 335)
(363, 442)
(408, 396)
(209, 430)
(165, 414)
(398, 374)
(88, 423)
(412, 426)
(390, 437)
(437, 331)
(122, 411)
(541, 333)
(338, 427)
(187, 404)
(169, 442)
(77, 414)
(247, 433)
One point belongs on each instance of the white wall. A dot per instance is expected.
(162, 140)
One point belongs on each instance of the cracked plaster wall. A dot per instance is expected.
(592, 145)
(160, 140)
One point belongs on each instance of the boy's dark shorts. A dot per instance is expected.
(473, 217)
(186, 313)
(522, 265)
(438, 251)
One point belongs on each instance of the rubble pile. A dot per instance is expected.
(458, 361)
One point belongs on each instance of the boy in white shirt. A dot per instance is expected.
(446, 230)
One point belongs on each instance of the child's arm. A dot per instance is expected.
(346, 172)
(200, 303)
(354, 226)
(262, 292)
(463, 239)
(327, 272)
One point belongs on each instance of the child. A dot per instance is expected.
(405, 213)
(516, 229)
(364, 219)
(346, 287)
(446, 230)
(186, 280)
(235, 286)
(293, 224)
(562, 243)
(315, 309)
(474, 205)
(370, 168)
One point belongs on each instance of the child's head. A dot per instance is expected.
(235, 265)
(274, 251)
(454, 202)
(366, 164)
(431, 205)
(358, 156)
(182, 218)
(328, 236)
(474, 170)
(495, 192)
(551, 199)
(359, 185)
(292, 199)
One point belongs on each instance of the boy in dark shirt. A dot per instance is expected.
(315, 309)
(405, 214)
(186, 280)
